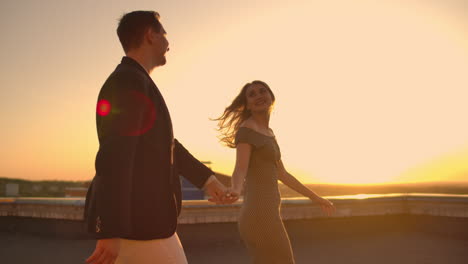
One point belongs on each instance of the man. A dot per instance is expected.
(135, 198)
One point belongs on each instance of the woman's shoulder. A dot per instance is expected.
(248, 128)
(249, 123)
(246, 133)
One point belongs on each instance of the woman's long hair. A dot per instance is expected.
(236, 113)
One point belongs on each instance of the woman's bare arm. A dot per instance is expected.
(243, 151)
(291, 181)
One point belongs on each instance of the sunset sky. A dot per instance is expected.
(367, 91)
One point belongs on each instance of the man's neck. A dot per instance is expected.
(142, 60)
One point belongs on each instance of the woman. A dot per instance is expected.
(245, 126)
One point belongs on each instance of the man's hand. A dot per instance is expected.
(106, 251)
(216, 190)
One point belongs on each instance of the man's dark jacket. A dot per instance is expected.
(136, 192)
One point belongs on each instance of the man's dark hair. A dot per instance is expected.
(133, 25)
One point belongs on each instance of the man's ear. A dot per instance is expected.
(150, 35)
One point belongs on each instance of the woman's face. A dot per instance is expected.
(259, 98)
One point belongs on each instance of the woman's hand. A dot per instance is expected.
(231, 195)
(326, 206)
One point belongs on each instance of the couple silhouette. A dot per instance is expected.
(134, 199)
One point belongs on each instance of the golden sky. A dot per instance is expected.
(367, 91)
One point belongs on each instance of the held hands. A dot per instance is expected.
(106, 251)
(219, 193)
(231, 195)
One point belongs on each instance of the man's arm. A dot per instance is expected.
(189, 167)
(198, 174)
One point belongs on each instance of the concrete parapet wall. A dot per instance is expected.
(438, 206)
(195, 212)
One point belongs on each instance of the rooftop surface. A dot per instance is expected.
(317, 242)
(373, 229)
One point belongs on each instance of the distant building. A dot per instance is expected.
(190, 191)
(75, 191)
(11, 189)
(37, 188)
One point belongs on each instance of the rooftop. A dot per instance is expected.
(395, 228)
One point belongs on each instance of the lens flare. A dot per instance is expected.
(139, 126)
(103, 107)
